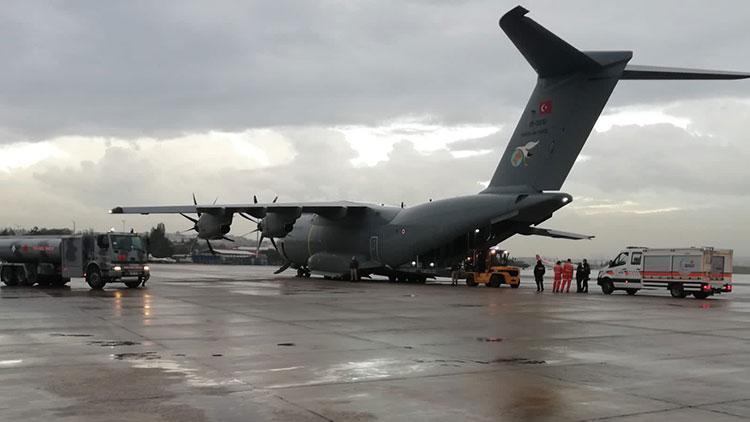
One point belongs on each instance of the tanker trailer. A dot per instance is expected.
(28, 260)
(54, 260)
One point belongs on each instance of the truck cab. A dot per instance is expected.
(106, 258)
(623, 272)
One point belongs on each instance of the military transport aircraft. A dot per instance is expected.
(406, 243)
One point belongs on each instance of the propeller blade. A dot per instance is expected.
(247, 217)
(216, 199)
(250, 232)
(283, 268)
(274, 244)
(257, 250)
(275, 199)
(255, 199)
(210, 248)
(226, 238)
(195, 202)
(188, 230)
(190, 218)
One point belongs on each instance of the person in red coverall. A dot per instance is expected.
(557, 283)
(567, 276)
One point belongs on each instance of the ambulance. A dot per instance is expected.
(701, 272)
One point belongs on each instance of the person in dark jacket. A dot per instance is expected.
(585, 278)
(354, 269)
(579, 277)
(539, 275)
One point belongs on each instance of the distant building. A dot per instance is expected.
(231, 257)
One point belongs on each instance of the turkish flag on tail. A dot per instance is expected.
(545, 107)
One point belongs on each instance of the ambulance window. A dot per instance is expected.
(620, 260)
(636, 258)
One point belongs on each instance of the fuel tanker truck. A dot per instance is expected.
(54, 260)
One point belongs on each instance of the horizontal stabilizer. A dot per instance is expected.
(661, 73)
(557, 234)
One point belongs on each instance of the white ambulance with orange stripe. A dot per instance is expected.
(701, 271)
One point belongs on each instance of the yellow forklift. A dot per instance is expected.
(490, 267)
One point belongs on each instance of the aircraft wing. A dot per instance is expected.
(258, 210)
(538, 231)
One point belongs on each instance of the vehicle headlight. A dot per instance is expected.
(146, 268)
(117, 268)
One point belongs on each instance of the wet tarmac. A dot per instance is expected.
(236, 343)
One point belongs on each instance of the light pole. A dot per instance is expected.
(74, 226)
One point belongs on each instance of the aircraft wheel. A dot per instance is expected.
(631, 292)
(677, 291)
(607, 287)
(701, 295)
(470, 281)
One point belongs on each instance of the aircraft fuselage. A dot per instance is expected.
(384, 238)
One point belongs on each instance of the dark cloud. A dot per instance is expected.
(164, 68)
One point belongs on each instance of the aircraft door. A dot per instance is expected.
(374, 249)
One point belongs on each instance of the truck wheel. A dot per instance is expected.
(133, 284)
(23, 277)
(515, 286)
(631, 292)
(494, 281)
(94, 279)
(9, 276)
(677, 290)
(470, 281)
(701, 295)
(607, 287)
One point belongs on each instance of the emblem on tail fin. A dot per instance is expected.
(522, 154)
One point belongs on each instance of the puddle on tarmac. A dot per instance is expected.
(136, 356)
(466, 305)
(490, 339)
(151, 360)
(70, 335)
(113, 343)
(520, 361)
(285, 344)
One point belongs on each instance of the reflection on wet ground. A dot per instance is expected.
(235, 343)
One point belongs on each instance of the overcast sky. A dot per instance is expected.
(140, 103)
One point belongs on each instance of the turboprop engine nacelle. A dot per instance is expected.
(276, 225)
(213, 226)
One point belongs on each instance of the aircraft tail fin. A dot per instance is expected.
(548, 54)
(572, 89)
